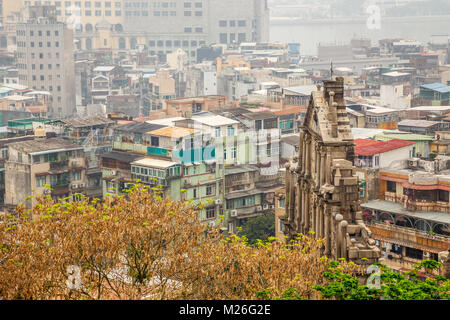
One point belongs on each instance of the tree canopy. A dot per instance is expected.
(141, 246)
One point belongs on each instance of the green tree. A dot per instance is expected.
(392, 285)
(259, 228)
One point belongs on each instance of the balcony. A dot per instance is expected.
(425, 205)
(409, 237)
(59, 165)
(247, 212)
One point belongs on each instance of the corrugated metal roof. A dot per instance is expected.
(140, 127)
(387, 206)
(433, 86)
(366, 147)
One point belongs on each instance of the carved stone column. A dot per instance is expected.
(307, 211)
(322, 166)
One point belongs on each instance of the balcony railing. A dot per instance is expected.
(60, 185)
(411, 235)
(57, 165)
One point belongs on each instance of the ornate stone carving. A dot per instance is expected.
(328, 201)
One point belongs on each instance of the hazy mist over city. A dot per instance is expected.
(197, 150)
(338, 21)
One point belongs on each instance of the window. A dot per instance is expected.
(210, 190)
(242, 23)
(187, 13)
(443, 196)
(280, 225)
(223, 38)
(40, 181)
(233, 153)
(391, 186)
(222, 23)
(194, 193)
(281, 203)
(76, 175)
(155, 141)
(218, 132)
(210, 213)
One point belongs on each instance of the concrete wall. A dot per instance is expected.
(386, 158)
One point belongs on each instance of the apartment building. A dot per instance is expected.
(411, 218)
(33, 164)
(162, 26)
(45, 58)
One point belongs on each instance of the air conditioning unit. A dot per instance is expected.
(81, 185)
(233, 213)
(46, 191)
(212, 223)
(113, 172)
(413, 163)
(259, 208)
(272, 206)
(266, 206)
(74, 186)
(217, 201)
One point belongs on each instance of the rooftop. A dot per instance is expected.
(121, 156)
(366, 147)
(140, 127)
(260, 115)
(87, 122)
(387, 206)
(214, 120)
(104, 68)
(293, 139)
(290, 111)
(172, 132)
(403, 136)
(42, 145)
(417, 123)
(154, 163)
(166, 121)
(304, 90)
(439, 87)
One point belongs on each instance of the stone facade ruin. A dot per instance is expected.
(322, 189)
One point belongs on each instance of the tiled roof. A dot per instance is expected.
(366, 147)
